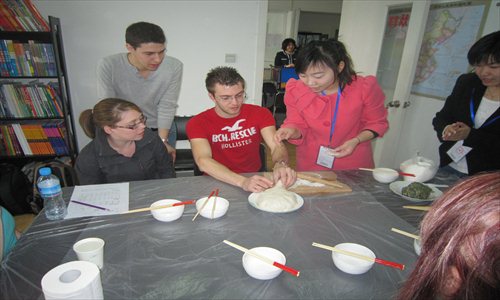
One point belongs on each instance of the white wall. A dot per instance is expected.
(199, 33)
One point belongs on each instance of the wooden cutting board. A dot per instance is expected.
(325, 177)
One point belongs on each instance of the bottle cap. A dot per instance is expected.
(45, 171)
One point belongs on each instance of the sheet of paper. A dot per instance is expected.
(113, 196)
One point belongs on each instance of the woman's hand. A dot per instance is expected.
(285, 133)
(346, 148)
(287, 175)
(456, 132)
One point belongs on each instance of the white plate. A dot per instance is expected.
(253, 197)
(397, 186)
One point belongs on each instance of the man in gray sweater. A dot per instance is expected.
(146, 77)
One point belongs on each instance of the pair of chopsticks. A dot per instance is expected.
(319, 180)
(417, 207)
(400, 173)
(360, 256)
(411, 235)
(216, 192)
(159, 207)
(263, 258)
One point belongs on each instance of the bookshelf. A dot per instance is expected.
(36, 120)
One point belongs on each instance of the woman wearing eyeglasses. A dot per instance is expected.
(122, 149)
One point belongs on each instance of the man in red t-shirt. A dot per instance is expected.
(225, 139)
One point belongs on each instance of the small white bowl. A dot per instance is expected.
(385, 175)
(167, 214)
(259, 269)
(417, 246)
(221, 206)
(352, 265)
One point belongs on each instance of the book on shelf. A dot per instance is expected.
(31, 59)
(32, 100)
(33, 139)
(21, 15)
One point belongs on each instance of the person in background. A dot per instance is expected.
(122, 149)
(286, 57)
(226, 138)
(332, 114)
(145, 76)
(468, 125)
(460, 254)
(8, 234)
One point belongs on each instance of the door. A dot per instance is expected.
(383, 38)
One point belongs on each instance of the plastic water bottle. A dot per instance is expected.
(50, 190)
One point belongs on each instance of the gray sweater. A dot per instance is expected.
(156, 95)
(99, 163)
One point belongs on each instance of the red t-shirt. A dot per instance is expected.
(234, 141)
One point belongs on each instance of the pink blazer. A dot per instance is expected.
(361, 107)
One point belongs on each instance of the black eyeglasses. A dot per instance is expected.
(142, 120)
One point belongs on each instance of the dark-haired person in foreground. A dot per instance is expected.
(469, 123)
(460, 255)
(226, 138)
(332, 114)
(146, 76)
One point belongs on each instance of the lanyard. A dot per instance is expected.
(334, 120)
(473, 114)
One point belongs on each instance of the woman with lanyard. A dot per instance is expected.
(468, 125)
(332, 114)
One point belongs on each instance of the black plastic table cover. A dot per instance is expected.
(148, 259)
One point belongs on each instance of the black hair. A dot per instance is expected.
(227, 76)
(285, 43)
(142, 33)
(329, 53)
(485, 50)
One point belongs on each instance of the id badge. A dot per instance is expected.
(325, 158)
(458, 151)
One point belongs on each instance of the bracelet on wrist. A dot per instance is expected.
(359, 140)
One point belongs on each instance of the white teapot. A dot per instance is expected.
(424, 169)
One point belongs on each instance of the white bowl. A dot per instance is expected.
(221, 206)
(259, 269)
(353, 265)
(417, 246)
(424, 169)
(385, 175)
(167, 214)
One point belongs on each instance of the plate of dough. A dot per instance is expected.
(276, 200)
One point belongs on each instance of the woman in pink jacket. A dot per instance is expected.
(332, 114)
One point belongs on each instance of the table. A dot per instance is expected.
(148, 259)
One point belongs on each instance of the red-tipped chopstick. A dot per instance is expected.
(159, 207)
(263, 258)
(206, 201)
(360, 256)
(406, 174)
(389, 263)
(215, 200)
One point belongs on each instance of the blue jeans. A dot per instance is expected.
(172, 135)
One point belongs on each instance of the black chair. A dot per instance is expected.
(279, 109)
(184, 161)
(268, 94)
